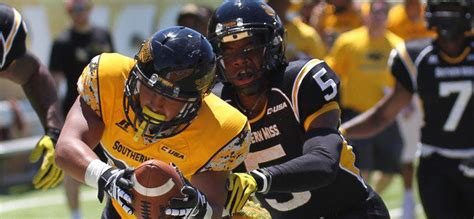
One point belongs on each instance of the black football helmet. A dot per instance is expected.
(238, 19)
(450, 18)
(177, 63)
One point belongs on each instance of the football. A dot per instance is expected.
(155, 183)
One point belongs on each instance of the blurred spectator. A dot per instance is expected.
(195, 17)
(311, 11)
(72, 50)
(407, 20)
(303, 42)
(360, 58)
(409, 122)
(306, 10)
(338, 17)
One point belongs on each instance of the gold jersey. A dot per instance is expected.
(303, 41)
(338, 23)
(218, 138)
(400, 24)
(361, 63)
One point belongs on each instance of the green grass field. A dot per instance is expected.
(52, 204)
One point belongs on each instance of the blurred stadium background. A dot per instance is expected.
(130, 21)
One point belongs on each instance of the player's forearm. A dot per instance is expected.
(378, 117)
(41, 91)
(212, 184)
(74, 156)
(365, 125)
(317, 167)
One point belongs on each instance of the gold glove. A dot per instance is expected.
(252, 210)
(240, 187)
(49, 175)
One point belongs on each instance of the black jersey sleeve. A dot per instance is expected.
(13, 35)
(315, 85)
(400, 63)
(317, 167)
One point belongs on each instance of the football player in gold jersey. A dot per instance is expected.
(156, 106)
(359, 57)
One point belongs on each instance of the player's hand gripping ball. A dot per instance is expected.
(155, 183)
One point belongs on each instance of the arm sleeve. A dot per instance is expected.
(398, 67)
(317, 167)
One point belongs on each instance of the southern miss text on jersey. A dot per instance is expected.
(445, 86)
(217, 140)
(307, 89)
(12, 35)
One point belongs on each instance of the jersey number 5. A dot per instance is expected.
(464, 88)
(325, 84)
(269, 154)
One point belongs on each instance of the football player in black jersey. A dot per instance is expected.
(22, 67)
(299, 165)
(441, 71)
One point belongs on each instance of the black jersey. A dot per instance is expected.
(305, 90)
(12, 37)
(72, 51)
(445, 88)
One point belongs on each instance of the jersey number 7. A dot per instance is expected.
(464, 88)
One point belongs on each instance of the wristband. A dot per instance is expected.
(53, 133)
(93, 172)
(263, 179)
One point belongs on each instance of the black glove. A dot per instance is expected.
(467, 167)
(118, 185)
(194, 203)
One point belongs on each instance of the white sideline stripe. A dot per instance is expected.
(152, 192)
(42, 201)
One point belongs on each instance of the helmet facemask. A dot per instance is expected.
(263, 42)
(148, 124)
(252, 65)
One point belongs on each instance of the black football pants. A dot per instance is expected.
(444, 191)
